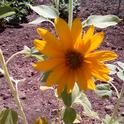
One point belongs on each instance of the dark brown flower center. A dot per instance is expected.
(73, 59)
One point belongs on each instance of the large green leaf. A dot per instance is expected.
(121, 64)
(38, 20)
(101, 21)
(120, 74)
(69, 115)
(107, 119)
(48, 12)
(67, 98)
(103, 90)
(113, 68)
(32, 52)
(6, 11)
(75, 92)
(83, 100)
(103, 93)
(8, 116)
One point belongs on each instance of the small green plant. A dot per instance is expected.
(20, 8)
(56, 59)
(5, 12)
(63, 7)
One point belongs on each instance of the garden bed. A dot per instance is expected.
(37, 102)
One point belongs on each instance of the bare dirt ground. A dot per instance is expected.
(37, 102)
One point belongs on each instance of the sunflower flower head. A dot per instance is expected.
(71, 56)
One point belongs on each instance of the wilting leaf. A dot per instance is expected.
(6, 11)
(47, 12)
(101, 21)
(8, 116)
(69, 115)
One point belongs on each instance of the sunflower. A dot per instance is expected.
(71, 57)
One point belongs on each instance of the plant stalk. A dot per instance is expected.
(117, 92)
(115, 112)
(12, 88)
(70, 15)
(57, 4)
(20, 52)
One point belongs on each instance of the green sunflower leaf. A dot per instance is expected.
(38, 20)
(120, 74)
(69, 115)
(107, 119)
(103, 90)
(67, 98)
(8, 116)
(48, 12)
(100, 21)
(6, 11)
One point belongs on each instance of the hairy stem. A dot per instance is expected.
(115, 112)
(12, 88)
(70, 16)
(57, 4)
(20, 52)
(117, 93)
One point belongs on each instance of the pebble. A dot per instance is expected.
(22, 95)
(122, 114)
(109, 107)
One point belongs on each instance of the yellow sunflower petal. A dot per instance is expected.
(101, 56)
(101, 76)
(62, 83)
(60, 88)
(70, 81)
(56, 74)
(99, 66)
(39, 44)
(47, 36)
(64, 33)
(88, 35)
(83, 77)
(98, 70)
(76, 30)
(48, 64)
(95, 41)
(47, 49)
(91, 84)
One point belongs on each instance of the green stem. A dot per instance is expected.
(59, 116)
(12, 88)
(117, 93)
(57, 4)
(70, 16)
(115, 112)
(20, 52)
